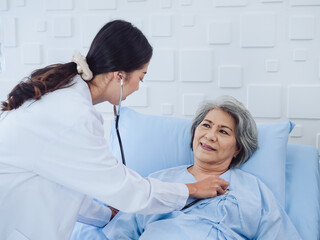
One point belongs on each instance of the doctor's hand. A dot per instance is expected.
(207, 188)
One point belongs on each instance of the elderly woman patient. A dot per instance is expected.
(224, 136)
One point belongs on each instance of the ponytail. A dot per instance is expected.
(40, 82)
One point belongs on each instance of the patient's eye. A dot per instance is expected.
(224, 132)
(206, 125)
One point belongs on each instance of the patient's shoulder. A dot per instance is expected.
(244, 180)
(239, 173)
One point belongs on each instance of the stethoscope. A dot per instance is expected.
(116, 111)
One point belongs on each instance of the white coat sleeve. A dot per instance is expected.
(78, 158)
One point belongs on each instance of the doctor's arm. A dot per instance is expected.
(78, 158)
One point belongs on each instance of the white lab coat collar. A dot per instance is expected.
(82, 87)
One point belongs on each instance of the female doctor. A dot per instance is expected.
(53, 155)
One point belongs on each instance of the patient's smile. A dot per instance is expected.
(207, 147)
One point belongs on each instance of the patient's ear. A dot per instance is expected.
(237, 152)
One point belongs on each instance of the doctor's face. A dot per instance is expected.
(214, 140)
(132, 81)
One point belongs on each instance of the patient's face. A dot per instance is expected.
(214, 142)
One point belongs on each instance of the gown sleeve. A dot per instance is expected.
(123, 226)
(94, 213)
(274, 222)
(77, 157)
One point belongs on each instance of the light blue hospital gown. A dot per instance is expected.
(248, 211)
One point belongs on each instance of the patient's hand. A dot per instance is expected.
(114, 212)
(209, 187)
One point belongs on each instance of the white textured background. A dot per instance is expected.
(263, 52)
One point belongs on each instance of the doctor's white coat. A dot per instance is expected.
(54, 158)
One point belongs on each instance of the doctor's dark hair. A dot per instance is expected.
(245, 130)
(118, 46)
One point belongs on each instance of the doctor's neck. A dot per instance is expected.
(101, 88)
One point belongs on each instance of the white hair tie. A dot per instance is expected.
(82, 66)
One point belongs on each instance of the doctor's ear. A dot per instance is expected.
(118, 76)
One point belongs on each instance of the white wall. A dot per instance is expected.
(263, 52)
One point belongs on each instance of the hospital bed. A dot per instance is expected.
(291, 171)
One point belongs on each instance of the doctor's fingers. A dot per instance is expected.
(219, 186)
(207, 187)
(220, 191)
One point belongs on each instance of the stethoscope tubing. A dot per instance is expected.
(117, 117)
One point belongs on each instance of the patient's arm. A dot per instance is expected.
(94, 213)
(274, 222)
(123, 226)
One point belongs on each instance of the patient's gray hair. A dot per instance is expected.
(245, 129)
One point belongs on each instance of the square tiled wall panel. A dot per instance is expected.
(303, 102)
(264, 100)
(196, 65)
